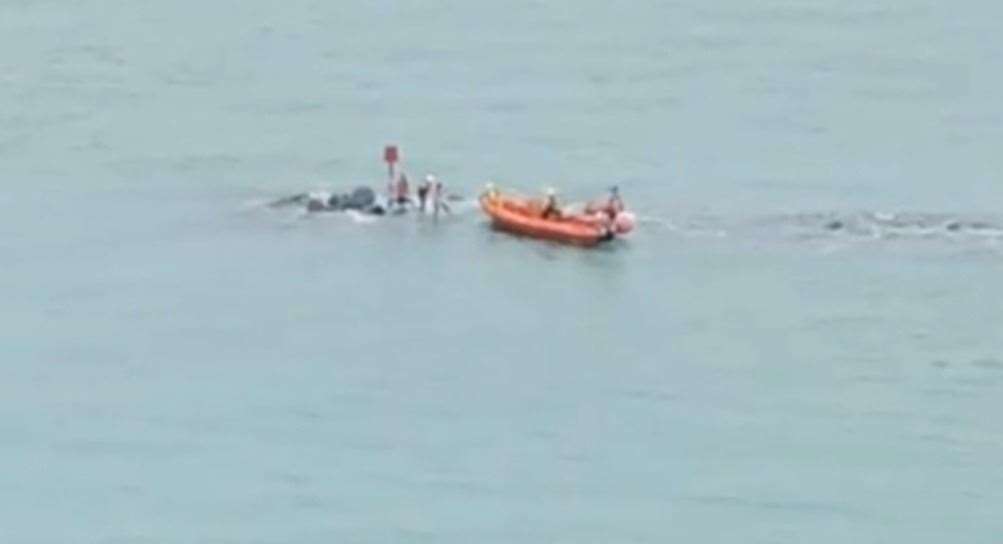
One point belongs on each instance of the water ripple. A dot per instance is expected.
(800, 506)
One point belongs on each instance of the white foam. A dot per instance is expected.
(358, 217)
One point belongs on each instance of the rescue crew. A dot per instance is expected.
(550, 209)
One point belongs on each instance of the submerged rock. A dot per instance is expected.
(360, 199)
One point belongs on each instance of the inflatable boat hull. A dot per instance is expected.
(525, 217)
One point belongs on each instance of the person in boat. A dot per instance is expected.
(614, 204)
(610, 207)
(550, 209)
(491, 191)
(423, 190)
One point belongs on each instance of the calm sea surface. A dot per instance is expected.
(800, 344)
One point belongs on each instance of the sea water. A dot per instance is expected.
(800, 342)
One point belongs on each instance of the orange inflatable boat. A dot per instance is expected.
(525, 216)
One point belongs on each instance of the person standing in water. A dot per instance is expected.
(402, 192)
(423, 191)
(439, 198)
